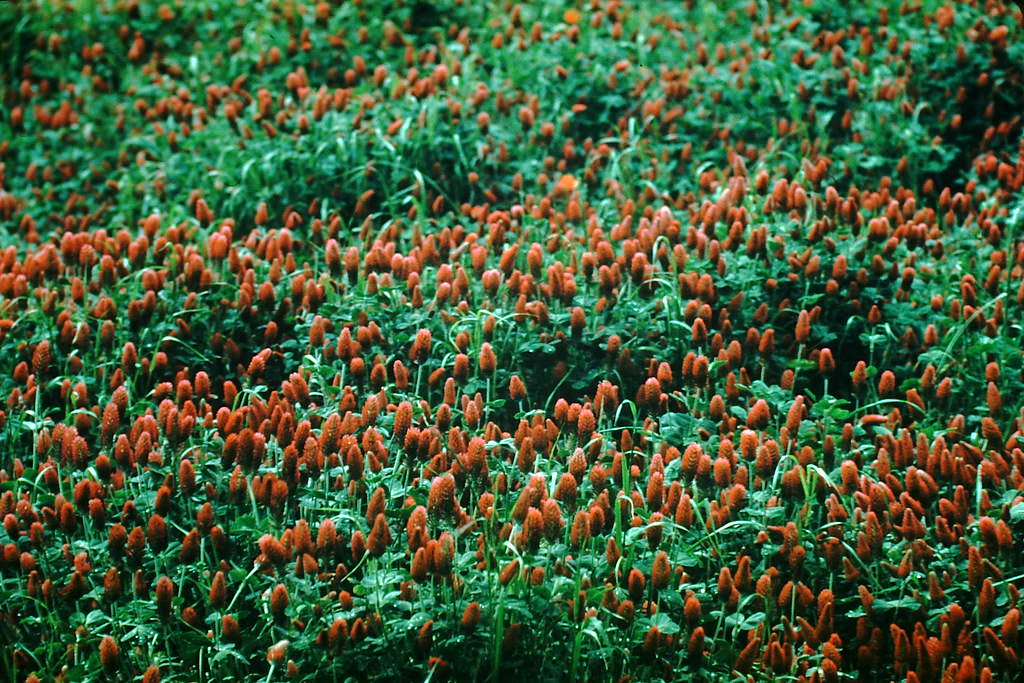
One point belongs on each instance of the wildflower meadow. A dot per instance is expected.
(577, 340)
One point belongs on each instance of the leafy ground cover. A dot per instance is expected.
(478, 341)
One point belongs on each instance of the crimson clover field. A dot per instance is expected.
(569, 340)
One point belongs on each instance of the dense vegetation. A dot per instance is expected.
(552, 340)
